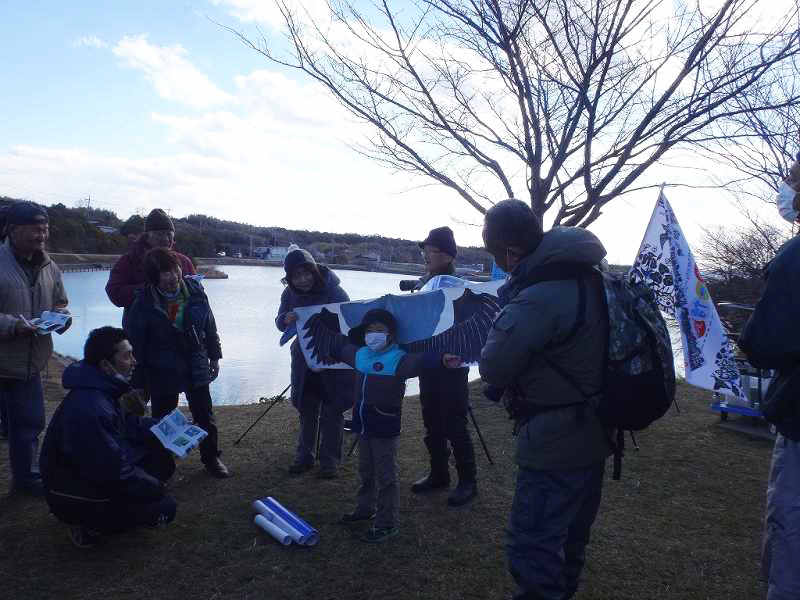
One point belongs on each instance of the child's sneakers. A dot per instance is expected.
(300, 467)
(327, 472)
(356, 517)
(375, 535)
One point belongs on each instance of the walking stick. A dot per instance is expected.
(480, 435)
(275, 400)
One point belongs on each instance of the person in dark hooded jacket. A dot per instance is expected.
(103, 469)
(174, 337)
(536, 353)
(771, 339)
(320, 398)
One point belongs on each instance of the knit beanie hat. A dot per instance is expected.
(442, 238)
(513, 222)
(298, 258)
(375, 315)
(158, 220)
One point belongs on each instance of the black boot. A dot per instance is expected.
(435, 480)
(464, 453)
(439, 475)
(464, 492)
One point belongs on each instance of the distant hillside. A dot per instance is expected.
(82, 230)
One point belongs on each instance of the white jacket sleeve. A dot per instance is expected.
(785, 202)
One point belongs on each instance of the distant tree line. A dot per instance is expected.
(76, 230)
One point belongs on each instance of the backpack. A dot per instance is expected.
(639, 374)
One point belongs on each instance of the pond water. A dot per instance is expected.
(244, 305)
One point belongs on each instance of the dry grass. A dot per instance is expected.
(684, 523)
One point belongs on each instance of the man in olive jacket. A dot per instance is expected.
(30, 283)
(541, 351)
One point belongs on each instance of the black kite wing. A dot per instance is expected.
(324, 336)
(473, 315)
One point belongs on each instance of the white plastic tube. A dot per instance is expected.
(270, 515)
(276, 532)
(310, 536)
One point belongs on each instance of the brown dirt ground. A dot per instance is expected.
(684, 523)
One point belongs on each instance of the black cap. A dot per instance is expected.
(442, 238)
(374, 315)
(26, 213)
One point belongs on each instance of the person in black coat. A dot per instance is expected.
(177, 348)
(320, 398)
(103, 469)
(444, 395)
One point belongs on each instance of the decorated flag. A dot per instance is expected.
(666, 265)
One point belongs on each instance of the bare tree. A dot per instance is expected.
(760, 146)
(729, 253)
(564, 103)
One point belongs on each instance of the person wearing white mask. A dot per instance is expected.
(383, 367)
(788, 197)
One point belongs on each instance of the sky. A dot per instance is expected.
(147, 104)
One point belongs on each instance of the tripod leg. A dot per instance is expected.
(633, 439)
(480, 435)
(254, 423)
(353, 447)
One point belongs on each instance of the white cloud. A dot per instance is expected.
(266, 12)
(89, 41)
(174, 77)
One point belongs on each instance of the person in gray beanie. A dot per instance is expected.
(30, 283)
(320, 398)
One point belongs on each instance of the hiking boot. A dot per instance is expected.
(83, 537)
(327, 472)
(463, 493)
(375, 535)
(429, 483)
(217, 468)
(356, 517)
(298, 468)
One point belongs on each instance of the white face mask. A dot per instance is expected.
(376, 340)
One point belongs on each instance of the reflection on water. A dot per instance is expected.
(244, 305)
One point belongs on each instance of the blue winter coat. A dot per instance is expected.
(171, 360)
(337, 384)
(92, 446)
(382, 385)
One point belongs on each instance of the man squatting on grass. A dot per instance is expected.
(104, 470)
(444, 396)
(532, 353)
(30, 283)
(382, 368)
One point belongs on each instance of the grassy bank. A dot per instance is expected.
(684, 523)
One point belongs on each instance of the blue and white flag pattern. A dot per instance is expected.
(666, 265)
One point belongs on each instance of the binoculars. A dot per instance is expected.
(408, 285)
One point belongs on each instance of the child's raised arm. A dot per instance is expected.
(414, 363)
